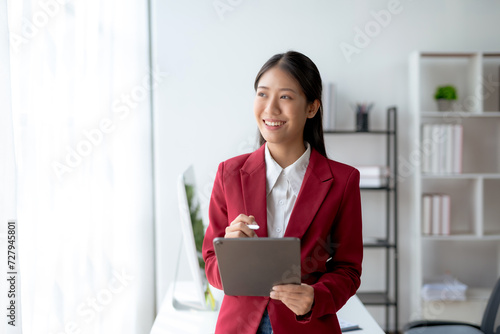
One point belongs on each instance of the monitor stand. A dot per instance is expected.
(185, 294)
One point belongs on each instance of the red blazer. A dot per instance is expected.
(327, 219)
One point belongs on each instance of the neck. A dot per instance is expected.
(286, 155)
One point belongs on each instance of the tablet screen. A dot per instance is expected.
(252, 266)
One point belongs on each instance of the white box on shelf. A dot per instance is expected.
(373, 176)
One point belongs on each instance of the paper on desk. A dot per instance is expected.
(347, 326)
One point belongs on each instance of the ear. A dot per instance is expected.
(313, 108)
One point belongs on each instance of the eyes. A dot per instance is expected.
(282, 97)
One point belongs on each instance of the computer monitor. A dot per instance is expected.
(192, 239)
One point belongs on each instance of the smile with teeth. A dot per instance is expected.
(274, 123)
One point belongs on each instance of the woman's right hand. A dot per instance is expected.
(239, 229)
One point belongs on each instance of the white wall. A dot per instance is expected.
(203, 110)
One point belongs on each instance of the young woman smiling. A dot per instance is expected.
(291, 189)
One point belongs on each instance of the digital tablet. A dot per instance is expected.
(252, 266)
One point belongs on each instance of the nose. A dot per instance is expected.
(272, 106)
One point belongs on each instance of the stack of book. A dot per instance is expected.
(373, 176)
(436, 214)
(446, 288)
(442, 148)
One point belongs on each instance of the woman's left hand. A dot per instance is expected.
(298, 298)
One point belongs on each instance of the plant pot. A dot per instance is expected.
(445, 105)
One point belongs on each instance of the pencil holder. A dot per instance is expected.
(361, 121)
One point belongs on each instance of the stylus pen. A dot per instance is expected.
(254, 226)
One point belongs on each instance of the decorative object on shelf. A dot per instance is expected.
(373, 176)
(445, 97)
(362, 112)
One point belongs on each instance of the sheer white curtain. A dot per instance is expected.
(81, 110)
(7, 178)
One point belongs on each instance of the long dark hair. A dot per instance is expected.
(300, 67)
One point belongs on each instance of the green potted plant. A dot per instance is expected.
(445, 96)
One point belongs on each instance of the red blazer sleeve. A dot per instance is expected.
(218, 222)
(342, 278)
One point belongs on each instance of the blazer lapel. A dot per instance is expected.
(253, 183)
(317, 182)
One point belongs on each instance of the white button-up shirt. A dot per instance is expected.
(282, 189)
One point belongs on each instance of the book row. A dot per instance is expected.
(436, 214)
(442, 147)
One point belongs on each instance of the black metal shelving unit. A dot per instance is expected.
(387, 298)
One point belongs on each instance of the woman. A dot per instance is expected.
(289, 188)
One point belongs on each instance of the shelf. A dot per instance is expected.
(463, 176)
(474, 207)
(478, 293)
(459, 114)
(352, 132)
(375, 298)
(379, 244)
(461, 237)
(446, 54)
(384, 226)
(377, 188)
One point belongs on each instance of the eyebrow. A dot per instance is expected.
(281, 89)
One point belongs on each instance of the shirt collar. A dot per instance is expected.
(293, 173)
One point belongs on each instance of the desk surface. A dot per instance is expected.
(171, 320)
(354, 311)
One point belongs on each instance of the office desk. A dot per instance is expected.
(170, 320)
(354, 311)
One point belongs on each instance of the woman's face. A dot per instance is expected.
(281, 108)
